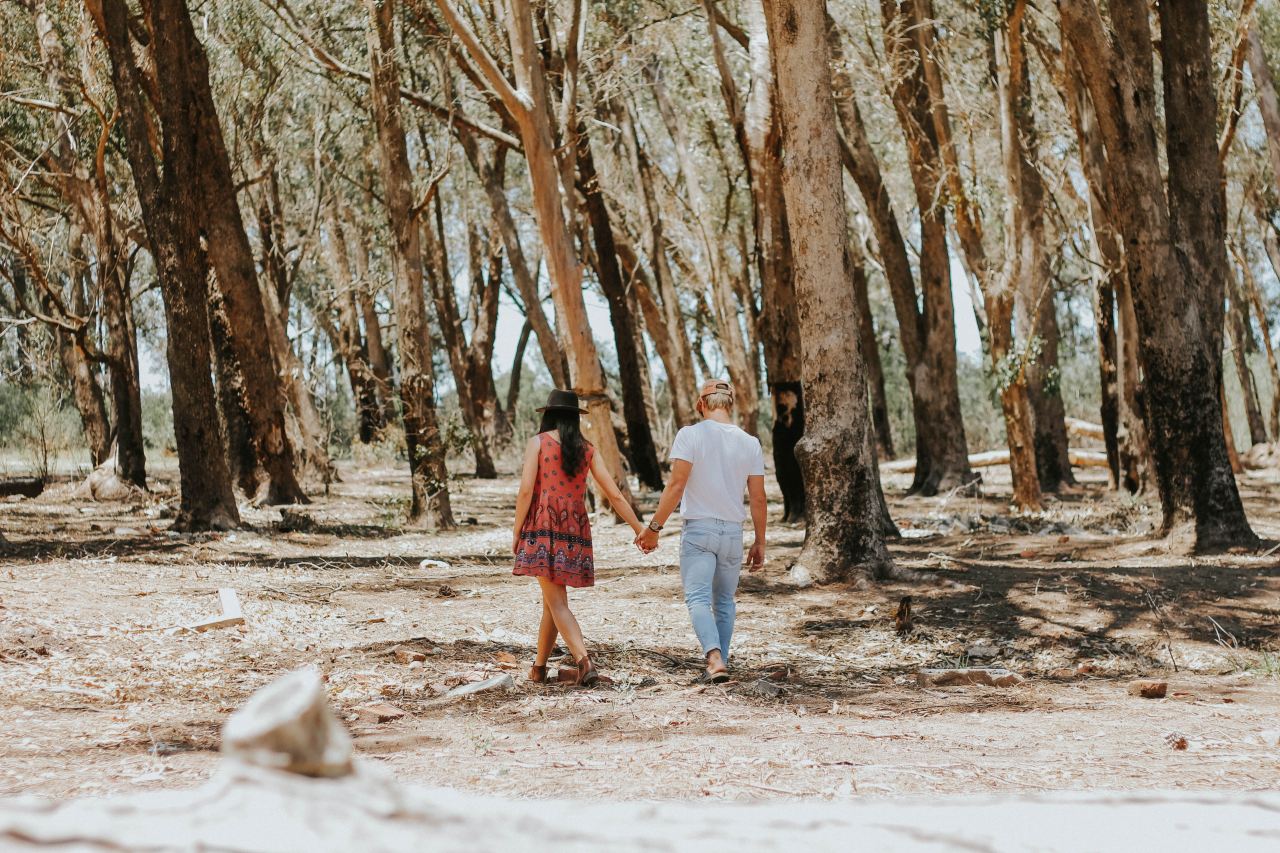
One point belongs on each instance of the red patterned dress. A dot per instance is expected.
(555, 542)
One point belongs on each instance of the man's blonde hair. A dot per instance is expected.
(717, 394)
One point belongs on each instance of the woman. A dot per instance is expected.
(552, 538)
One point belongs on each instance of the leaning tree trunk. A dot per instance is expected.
(528, 102)
(845, 532)
(1178, 296)
(644, 455)
(1104, 311)
(758, 134)
(1242, 343)
(430, 478)
(1023, 233)
(1268, 102)
(870, 348)
(170, 200)
(928, 331)
(237, 433)
(237, 279)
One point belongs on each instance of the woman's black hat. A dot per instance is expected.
(562, 401)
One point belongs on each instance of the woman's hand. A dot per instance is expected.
(515, 541)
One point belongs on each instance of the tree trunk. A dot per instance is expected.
(1023, 233)
(668, 322)
(237, 280)
(528, 102)
(89, 201)
(709, 268)
(237, 433)
(311, 442)
(1237, 318)
(1264, 85)
(1114, 304)
(348, 341)
(644, 455)
(928, 331)
(1178, 297)
(476, 399)
(1260, 311)
(759, 139)
(494, 180)
(86, 392)
(870, 348)
(517, 367)
(170, 199)
(365, 294)
(1104, 311)
(426, 452)
(845, 527)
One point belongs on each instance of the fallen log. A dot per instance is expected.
(1079, 458)
(1084, 429)
(28, 487)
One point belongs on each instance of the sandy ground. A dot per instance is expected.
(96, 696)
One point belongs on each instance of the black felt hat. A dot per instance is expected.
(562, 401)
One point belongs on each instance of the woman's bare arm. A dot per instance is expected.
(524, 498)
(614, 495)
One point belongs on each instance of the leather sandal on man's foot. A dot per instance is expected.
(720, 676)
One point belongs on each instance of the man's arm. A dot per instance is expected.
(680, 468)
(759, 518)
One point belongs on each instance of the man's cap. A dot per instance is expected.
(717, 386)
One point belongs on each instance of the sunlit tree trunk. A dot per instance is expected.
(1178, 297)
(870, 348)
(430, 478)
(529, 104)
(845, 533)
(169, 196)
(1242, 343)
(927, 322)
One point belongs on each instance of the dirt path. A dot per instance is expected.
(95, 696)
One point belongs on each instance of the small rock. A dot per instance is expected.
(982, 650)
(379, 712)
(1065, 673)
(501, 682)
(408, 655)
(992, 677)
(1149, 689)
(415, 664)
(1086, 668)
(445, 591)
(434, 564)
(504, 657)
(125, 531)
(436, 650)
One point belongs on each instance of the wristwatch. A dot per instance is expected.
(656, 528)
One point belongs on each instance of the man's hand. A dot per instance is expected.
(755, 557)
(647, 541)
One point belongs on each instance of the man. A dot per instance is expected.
(712, 463)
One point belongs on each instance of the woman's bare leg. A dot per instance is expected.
(547, 634)
(556, 599)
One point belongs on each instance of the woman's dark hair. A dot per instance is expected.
(573, 447)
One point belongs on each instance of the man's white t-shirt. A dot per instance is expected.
(723, 457)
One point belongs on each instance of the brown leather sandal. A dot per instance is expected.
(538, 674)
(587, 674)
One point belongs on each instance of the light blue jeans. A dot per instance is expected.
(710, 564)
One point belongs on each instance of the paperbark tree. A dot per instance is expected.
(870, 348)
(1268, 102)
(469, 361)
(1242, 344)
(168, 192)
(528, 103)
(429, 504)
(845, 533)
(1132, 453)
(926, 322)
(1023, 260)
(231, 258)
(758, 134)
(89, 202)
(1178, 296)
(629, 349)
